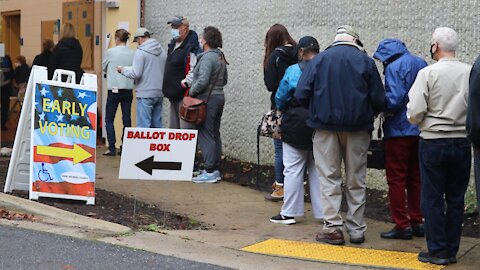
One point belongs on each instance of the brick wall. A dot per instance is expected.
(244, 24)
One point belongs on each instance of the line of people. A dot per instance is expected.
(192, 65)
(329, 101)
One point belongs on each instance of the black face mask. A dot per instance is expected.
(431, 51)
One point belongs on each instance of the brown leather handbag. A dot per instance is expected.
(194, 110)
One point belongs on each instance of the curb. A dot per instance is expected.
(66, 218)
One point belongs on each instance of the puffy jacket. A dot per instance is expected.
(295, 131)
(342, 88)
(401, 69)
(278, 61)
(67, 55)
(176, 67)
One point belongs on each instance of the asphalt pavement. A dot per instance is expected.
(22, 249)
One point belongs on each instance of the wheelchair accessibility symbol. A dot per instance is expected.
(44, 175)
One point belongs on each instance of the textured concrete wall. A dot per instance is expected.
(244, 24)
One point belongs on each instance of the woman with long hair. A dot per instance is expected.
(280, 53)
(68, 53)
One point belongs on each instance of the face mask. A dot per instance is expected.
(432, 53)
(175, 33)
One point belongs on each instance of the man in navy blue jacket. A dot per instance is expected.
(401, 140)
(344, 92)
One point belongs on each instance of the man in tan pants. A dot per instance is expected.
(343, 90)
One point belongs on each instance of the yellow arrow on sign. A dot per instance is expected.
(77, 153)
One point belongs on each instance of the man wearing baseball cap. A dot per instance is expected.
(343, 90)
(181, 59)
(147, 70)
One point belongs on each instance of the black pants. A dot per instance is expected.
(124, 97)
(445, 172)
(5, 103)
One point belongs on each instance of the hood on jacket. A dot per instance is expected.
(72, 43)
(288, 52)
(389, 50)
(151, 46)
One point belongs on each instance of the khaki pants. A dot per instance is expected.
(329, 149)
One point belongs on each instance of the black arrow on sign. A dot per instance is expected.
(148, 165)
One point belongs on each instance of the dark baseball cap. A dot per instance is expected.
(308, 42)
(177, 20)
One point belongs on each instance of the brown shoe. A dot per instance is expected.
(276, 195)
(333, 238)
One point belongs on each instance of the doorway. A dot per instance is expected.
(12, 32)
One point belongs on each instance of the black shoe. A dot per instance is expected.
(281, 219)
(405, 234)
(440, 258)
(109, 153)
(358, 240)
(418, 230)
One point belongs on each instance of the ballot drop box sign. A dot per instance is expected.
(158, 154)
(64, 141)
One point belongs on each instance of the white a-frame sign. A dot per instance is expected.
(54, 149)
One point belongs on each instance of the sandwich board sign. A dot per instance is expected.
(54, 149)
(158, 154)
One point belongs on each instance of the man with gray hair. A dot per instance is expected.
(438, 104)
(343, 90)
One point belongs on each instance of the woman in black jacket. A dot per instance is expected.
(280, 53)
(43, 59)
(68, 53)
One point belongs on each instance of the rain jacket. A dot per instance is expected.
(295, 131)
(148, 69)
(342, 88)
(401, 69)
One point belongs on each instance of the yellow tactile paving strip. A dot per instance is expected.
(341, 254)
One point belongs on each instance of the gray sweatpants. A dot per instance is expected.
(329, 149)
(209, 133)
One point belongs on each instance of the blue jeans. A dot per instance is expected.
(278, 161)
(445, 172)
(476, 167)
(149, 112)
(124, 97)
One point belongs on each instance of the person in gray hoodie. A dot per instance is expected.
(147, 70)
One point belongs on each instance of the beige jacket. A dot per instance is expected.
(438, 99)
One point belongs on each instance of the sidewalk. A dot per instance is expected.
(238, 217)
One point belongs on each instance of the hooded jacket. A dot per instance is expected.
(148, 69)
(295, 131)
(67, 55)
(401, 69)
(176, 67)
(278, 61)
(342, 88)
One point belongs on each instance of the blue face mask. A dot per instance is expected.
(175, 33)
